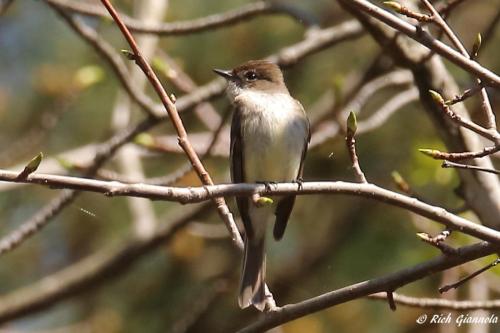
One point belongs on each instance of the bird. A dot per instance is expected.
(270, 133)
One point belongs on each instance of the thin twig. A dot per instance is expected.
(403, 10)
(436, 17)
(466, 94)
(469, 277)
(448, 164)
(490, 134)
(204, 176)
(439, 155)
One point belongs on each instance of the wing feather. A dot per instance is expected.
(285, 205)
(237, 169)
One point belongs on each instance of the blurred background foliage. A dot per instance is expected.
(57, 94)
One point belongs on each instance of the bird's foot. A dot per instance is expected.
(270, 303)
(268, 184)
(300, 182)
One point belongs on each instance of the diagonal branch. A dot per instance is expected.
(173, 114)
(392, 281)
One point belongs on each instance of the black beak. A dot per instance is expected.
(227, 74)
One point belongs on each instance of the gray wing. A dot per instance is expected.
(285, 205)
(237, 169)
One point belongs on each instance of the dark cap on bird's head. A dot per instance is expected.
(260, 75)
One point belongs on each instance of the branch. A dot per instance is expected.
(466, 94)
(430, 42)
(392, 281)
(211, 22)
(197, 194)
(469, 277)
(439, 155)
(490, 134)
(439, 303)
(448, 164)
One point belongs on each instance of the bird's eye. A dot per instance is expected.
(251, 76)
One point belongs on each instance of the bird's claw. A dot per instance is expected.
(268, 184)
(300, 183)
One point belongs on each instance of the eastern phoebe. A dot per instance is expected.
(269, 137)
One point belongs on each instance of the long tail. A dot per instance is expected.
(252, 288)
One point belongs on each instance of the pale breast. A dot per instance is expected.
(274, 130)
